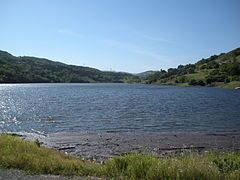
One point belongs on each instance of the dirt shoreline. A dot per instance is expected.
(102, 146)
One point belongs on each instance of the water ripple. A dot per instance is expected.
(44, 108)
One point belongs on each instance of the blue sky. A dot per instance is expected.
(120, 35)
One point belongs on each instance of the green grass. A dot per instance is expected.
(194, 166)
(182, 84)
(200, 75)
(231, 85)
(20, 154)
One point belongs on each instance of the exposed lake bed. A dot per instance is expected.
(102, 146)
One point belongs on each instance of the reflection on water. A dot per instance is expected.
(44, 108)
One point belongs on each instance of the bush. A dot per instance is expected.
(212, 65)
(227, 80)
(216, 78)
(194, 82)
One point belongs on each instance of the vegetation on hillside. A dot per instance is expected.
(219, 70)
(38, 70)
(144, 75)
(31, 157)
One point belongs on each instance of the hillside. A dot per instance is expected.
(145, 74)
(218, 70)
(38, 70)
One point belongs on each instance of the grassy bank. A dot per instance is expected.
(29, 156)
(231, 85)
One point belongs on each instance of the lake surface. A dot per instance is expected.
(135, 108)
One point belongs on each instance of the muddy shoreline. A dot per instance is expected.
(101, 146)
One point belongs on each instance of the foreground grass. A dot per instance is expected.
(20, 154)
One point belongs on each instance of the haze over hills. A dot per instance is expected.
(39, 70)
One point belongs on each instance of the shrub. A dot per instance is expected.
(194, 82)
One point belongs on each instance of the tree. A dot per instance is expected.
(194, 82)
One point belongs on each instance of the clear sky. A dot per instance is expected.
(120, 35)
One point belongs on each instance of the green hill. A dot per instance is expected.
(145, 74)
(218, 70)
(38, 70)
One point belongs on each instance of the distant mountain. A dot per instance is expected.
(221, 70)
(145, 74)
(39, 70)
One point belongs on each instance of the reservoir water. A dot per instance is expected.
(50, 108)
